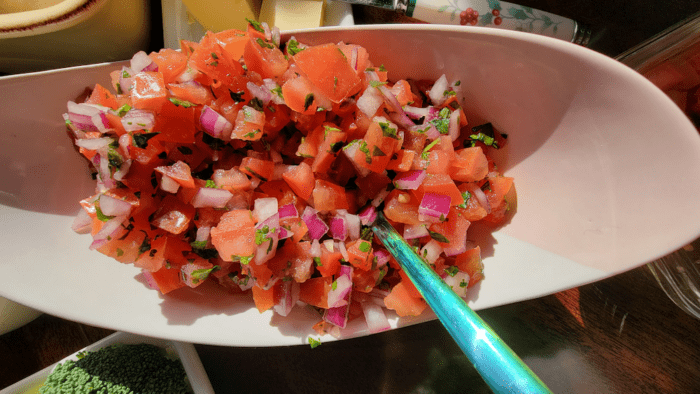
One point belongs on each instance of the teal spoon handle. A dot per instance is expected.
(500, 367)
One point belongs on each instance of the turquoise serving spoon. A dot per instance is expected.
(500, 367)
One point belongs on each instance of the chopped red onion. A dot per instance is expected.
(274, 87)
(210, 197)
(88, 117)
(339, 298)
(315, 250)
(82, 224)
(289, 298)
(370, 101)
(382, 256)
(215, 124)
(354, 225)
(142, 62)
(453, 249)
(188, 75)
(416, 112)
(111, 206)
(168, 184)
(259, 92)
(94, 143)
(350, 150)
(368, 215)
(458, 282)
(109, 227)
(480, 196)
(378, 294)
(454, 125)
(284, 233)
(203, 234)
(343, 251)
(400, 116)
(340, 289)
(437, 92)
(379, 198)
(375, 317)
(329, 244)
(264, 208)
(317, 227)
(434, 205)
(288, 211)
(150, 280)
(409, 180)
(353, 58)
(268, 246)
(415, 231)
(339, 228)
(138, 120)
(431, 251)
(125, 79)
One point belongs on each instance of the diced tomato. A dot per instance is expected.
(171, 63)
(173, 215)
(264, 58)
(403, 302)
(315, 291)
(148, 91)
(234, 236)
(301, 180)
(102, 96)
(329, 196)
(328, 70)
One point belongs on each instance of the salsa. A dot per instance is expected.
(259, 165)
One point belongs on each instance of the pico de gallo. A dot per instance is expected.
(259, 166)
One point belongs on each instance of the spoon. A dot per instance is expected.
(500, 367)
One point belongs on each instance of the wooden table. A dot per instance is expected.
(619, 335)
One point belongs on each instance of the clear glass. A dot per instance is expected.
(678, 274)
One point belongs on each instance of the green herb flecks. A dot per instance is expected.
(181, 103)
(141, 140)
(438, 237)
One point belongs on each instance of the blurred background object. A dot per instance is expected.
(47, 34)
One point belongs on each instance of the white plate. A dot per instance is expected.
(607, 170)
(186, 352)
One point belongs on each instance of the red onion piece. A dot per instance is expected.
(458, 282)
(454, 125)
(210, 197)
(368, 215)
(88, 117)
(431, 251)
(382, 256)
(409, 180)
(150, 280)
(214, 124)
(203, 234)
(290, 296)
(111, 206)
(349, 151)
(109, 227)
(375, 317)
(94, 143)
(264, 208)
(142, 62)
(354, 225)
(82, 224)
(434, 205)
(288, 211)
(315, 250)
(317, 227)
(168, 184)
(138, 120)
(400, 116)
(338, 226)
(415, 231)
(125, 79)
(284, 233)
(268, 248)
(480, 196)
(259, 92)
(437, 92)
(416, 112)
(370, 101)
(379, 198)
(343, 251)
(338, 315)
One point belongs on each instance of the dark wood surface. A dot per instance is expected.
(619, 335)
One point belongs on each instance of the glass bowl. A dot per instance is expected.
(671, 60)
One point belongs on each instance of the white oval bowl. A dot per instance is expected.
(607, 170)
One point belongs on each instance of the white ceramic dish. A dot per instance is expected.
(14, 315)
(185, 352)
(607, 170)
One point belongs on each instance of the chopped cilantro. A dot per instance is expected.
(141, 140)
(364, 247)
(255, 25)
(210, 184)
(442, 122)
(237, 97)
(293, 47)
(181, 103)
(101, 216)
(256, 104)
(377, 152)
(198, 244)
(452, 270)
(308, 100)
(364, 149)
(388, 131)
(488, 141)
(314, 343)
(264, 44)
(466, 196)
(121, 111)
(317, 261)
(438, 237)
(214, 56)
(376, 84)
